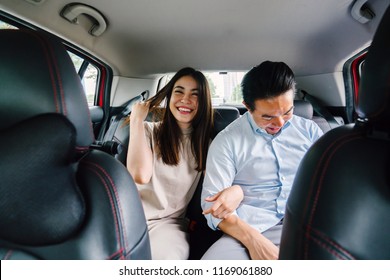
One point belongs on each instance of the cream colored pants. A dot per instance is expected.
(169, 239)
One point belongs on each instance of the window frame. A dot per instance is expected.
(352, 76)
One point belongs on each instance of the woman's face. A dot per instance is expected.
(184, 101)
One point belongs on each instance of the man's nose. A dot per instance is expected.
(279, 121)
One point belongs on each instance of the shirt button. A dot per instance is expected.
(283, 178)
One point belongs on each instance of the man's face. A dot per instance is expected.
(271, 114)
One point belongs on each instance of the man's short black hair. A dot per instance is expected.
(267, 80)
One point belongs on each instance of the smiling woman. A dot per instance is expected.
(183, 103)
(167, 158)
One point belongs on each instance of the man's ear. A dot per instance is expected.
(246, 106)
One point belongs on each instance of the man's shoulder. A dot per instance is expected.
(232, 132)
(301, 121)
(235, 126)
(306, 126)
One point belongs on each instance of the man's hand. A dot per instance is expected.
(259, 247)
(225, 202)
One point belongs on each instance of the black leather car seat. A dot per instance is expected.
(304, 109)
(201, 235)
(59, 199)
(340, 201)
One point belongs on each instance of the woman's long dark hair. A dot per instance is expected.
(168, 135)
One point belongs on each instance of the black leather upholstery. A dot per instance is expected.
(201, 235)
(59, 199)
(223, 116)
(340, 201)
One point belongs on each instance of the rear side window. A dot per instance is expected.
(4, 25)
(225, 87)
(88, 75)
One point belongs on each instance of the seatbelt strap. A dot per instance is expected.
(115, 120)
(320, 110)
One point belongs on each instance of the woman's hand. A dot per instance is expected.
(225, 202)
(140, 111)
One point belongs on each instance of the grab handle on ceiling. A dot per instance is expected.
(72, 11)
(361, 12)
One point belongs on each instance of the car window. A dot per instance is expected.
(88, 74)
(4, 25)
(225, 87)
(87, 71)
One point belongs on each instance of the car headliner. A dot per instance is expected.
(146, 37)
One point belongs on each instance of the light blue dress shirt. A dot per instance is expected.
(263, 165)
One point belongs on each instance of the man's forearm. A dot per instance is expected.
(259, 247)
(238, 229)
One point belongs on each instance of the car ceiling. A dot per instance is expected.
(147, 37)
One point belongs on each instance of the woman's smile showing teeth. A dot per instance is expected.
(184, 110)
(184, 101)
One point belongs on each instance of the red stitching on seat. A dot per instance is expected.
(57, 72)
(8, 255)
(328, 248)
(51, 72)
(100, 168)
(331, 242)
(335, 146)
(55, 76)
(119, 252)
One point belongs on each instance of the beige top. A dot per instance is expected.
(171, 187)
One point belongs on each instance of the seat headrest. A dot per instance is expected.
(223, 116)
(373, 101)
(303, 109)
(40, 200)
(37, 76)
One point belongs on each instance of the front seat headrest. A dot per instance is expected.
(373, 101)
(28, 88)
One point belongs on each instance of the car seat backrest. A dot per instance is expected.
(59, 199)
(223, 116)
(201, 236)
(339, 203)
(304, 109)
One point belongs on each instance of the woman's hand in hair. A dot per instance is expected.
(225, 202)
(140, 111)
